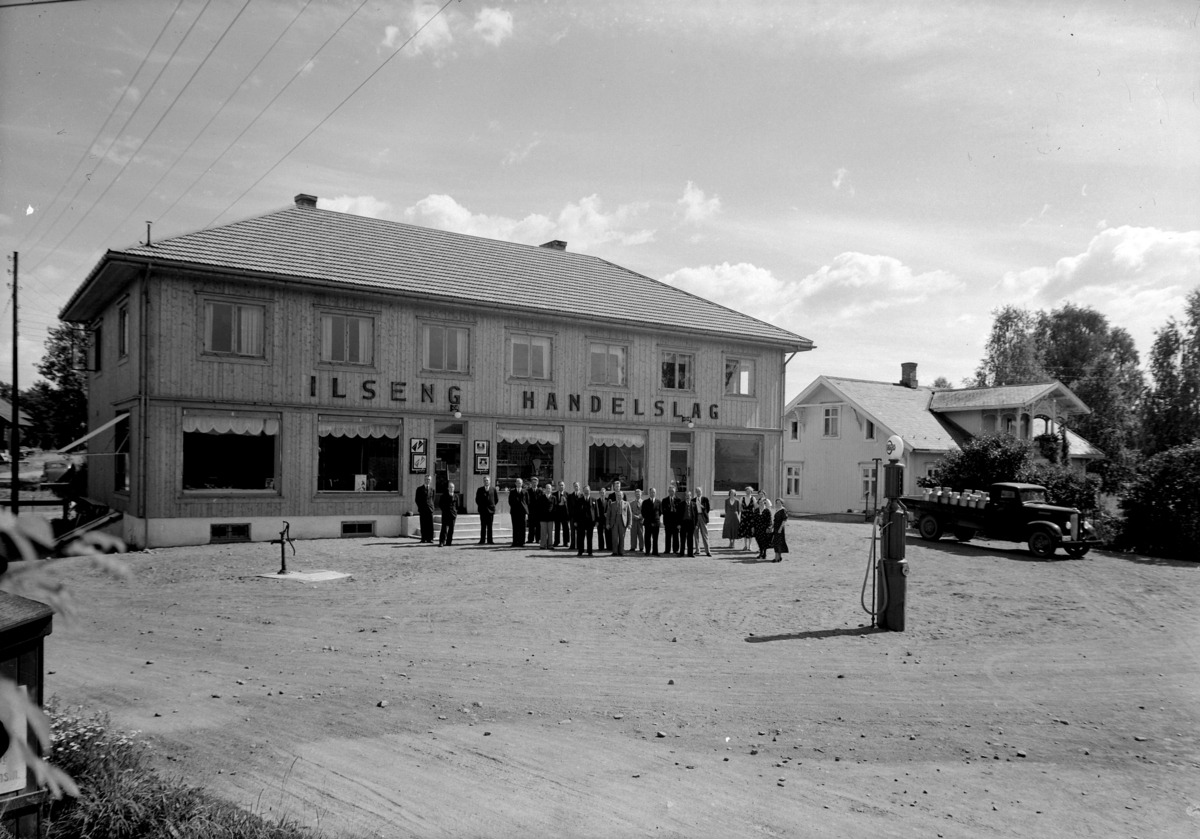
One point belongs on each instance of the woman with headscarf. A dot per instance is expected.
(762, 527)
(746, 519)
(779, 531)
(733, 512)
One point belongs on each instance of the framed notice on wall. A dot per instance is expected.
(483, 464)
(482, 447)
(418, 455)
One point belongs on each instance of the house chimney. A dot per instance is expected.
(555, 245)
(908, 374)
(306, 202)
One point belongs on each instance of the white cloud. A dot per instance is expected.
(517, 155)
(1136, 276)
(357, 205)
(434, 38)
(838, 177)
(493, 25)
(582, 225)
(697, 208)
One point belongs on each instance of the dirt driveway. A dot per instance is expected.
(539, 694)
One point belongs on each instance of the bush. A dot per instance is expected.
(1162, 506)
(123, 797)
(1064, 487)
(981, 462)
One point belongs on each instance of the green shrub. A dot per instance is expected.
(981, 462)
(1162, 506)
(122, 797)
(1064, 487)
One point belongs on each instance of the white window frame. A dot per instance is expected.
(240, 308)
(326, 323)
(869, 431)
(795, 430)
(832, 419)
(745, 366)
(793, 480)
(449, 329)
(609, 346)
(690, 368)
(868, 481)
(528, 338)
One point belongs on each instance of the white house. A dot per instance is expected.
(835, 431)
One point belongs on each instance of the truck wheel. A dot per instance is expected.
(1041, 544)
(930, 528)
(1078, 551)
(964, 534)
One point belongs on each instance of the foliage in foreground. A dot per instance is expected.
(1162, 507)
(122, 796)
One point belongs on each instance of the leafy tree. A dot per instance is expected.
(1011, 355)
(59, 408)
(1171, 409)
(942, 383)
(1162, 507)
(981, 462)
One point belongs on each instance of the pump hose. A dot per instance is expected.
(876, 534)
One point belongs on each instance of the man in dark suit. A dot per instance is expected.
(685, 511)
(651, 516)
(573, 501)
(670, 520)
(534, 524)
(518, 508)
(602, 521)
(562, 517)
(486, 499)
(449, 507)
(425, 509)
(587, 514)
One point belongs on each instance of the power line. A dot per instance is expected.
(331, 113)
(258, 116)
(83, 155)
(216, 114)
(121, 131)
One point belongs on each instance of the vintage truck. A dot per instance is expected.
(1011, 511)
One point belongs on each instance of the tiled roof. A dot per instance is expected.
(6, 413)
(1079, 447)
(904, 410)
(1006, 396)
(343, 249)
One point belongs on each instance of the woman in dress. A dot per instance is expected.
(762, 527)
(779, 532)
(747, 518)
(733, 512)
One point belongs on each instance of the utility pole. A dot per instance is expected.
(14, 432)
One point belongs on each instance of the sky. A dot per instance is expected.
(876, 177)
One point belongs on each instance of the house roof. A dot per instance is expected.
(6, 413)
(903, 410)
(340, 249)
(1081, 448)
(1006, 396)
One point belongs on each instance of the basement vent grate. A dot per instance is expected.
(358, 528)
(219, 533)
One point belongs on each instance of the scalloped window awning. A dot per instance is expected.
(217, 424)
(541, 436)
(636, 441)
(327, 428)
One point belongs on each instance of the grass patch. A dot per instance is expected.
(122, 796)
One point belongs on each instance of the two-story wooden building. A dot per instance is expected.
(314, 366)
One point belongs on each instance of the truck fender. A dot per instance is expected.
(1048, 526)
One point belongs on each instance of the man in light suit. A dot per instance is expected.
(618, 522)
(703, 508)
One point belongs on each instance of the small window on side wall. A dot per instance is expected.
(123, 331)
(446, 348)
(869, 432)
(832, 418)
(97, 348)
(233, 329)
(347, 339)
(795, 429)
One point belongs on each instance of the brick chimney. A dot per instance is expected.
(908, 374)
(306, 202)
(555, 245)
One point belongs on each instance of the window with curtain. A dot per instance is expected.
(233, 329)
(356, 455)
(677, 371)
(739, 377)
(447, 348)
(530, 357)
(607, 364)
(230, 451)
(347, 339)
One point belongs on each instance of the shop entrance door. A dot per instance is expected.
(680, 464)
(447, 461)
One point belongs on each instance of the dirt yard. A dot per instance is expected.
(538, 694)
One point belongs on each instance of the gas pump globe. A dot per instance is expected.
(892, 570)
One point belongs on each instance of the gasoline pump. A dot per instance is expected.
(891, 568)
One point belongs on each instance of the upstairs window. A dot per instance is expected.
(739, 377)
(607, 365)
(869, 432)
(795, 429)
(529, 357)
(447, 348)
(97, 348)
(832, 419)
(347, 339)
(233, 329)
(123, 331)
(677, 371)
